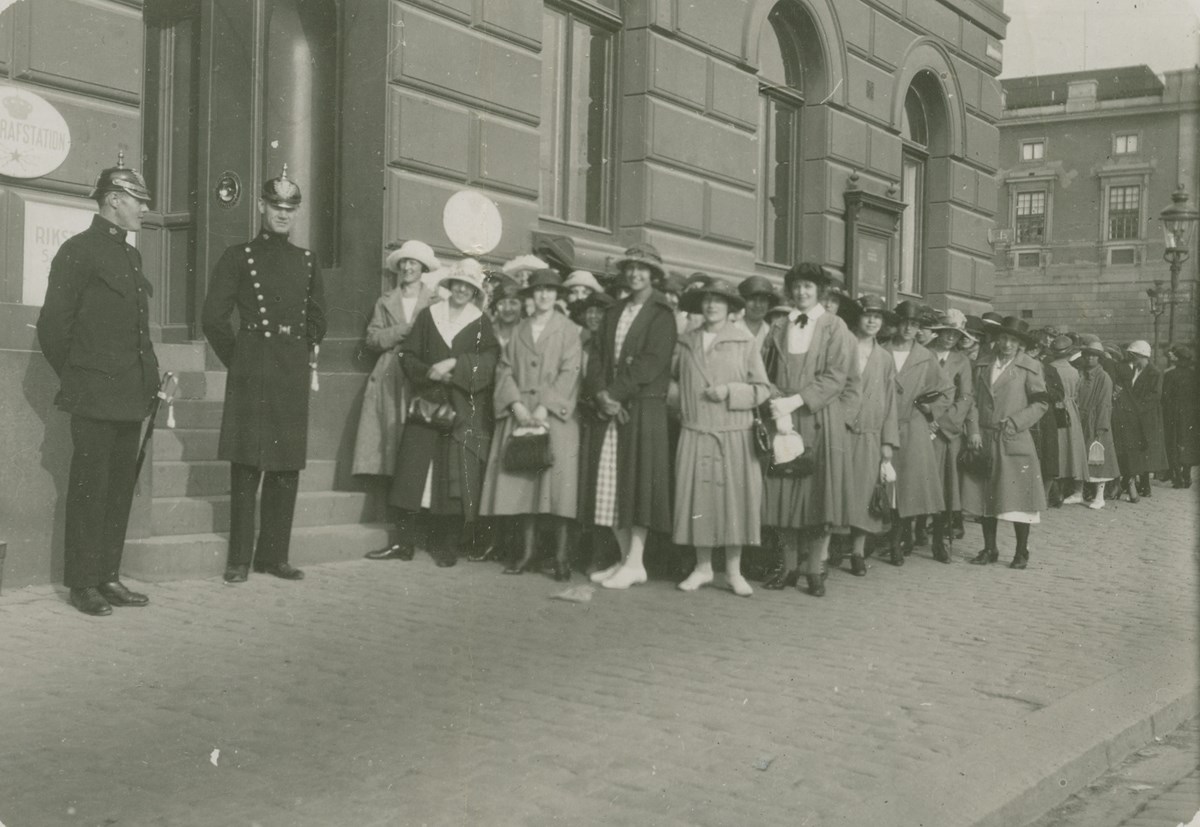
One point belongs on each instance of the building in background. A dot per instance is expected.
(1089, 160)
(739, 136)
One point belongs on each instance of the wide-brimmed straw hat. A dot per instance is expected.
(645, 254)
(954, 319)
(1017, 328)
(582, 278)
(468, 271)
(418, 251)
(693, 300)
(1090, 343)
(1062, 347)
(759, 286)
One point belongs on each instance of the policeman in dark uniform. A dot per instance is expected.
(94, 329)
(276, 289)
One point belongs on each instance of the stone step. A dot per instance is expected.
(188, 556)
(202, 414)
(186, 356)
(200, 515)
(185, 444)
(210, 478)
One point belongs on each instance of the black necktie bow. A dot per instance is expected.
(802, 320)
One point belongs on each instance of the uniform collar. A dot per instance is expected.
(268, 237)
(108, 229)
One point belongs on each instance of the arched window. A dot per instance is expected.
(923, 130)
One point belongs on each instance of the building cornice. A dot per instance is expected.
(1040, 115)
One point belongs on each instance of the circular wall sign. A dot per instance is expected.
(34, 138)
(472, 222)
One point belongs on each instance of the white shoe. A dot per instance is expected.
(1096, 504)
(604, 574)
(695, 580)
(739, 585)
(1074, 499)
(624, 578)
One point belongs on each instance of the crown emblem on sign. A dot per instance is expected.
(18, 107)
(284, 186)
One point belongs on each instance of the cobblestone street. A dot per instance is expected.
(398, 693)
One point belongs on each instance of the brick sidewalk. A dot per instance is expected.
(393, 693)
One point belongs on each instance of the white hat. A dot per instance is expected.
(582, 278)
(1140, 347)
(525, 262)
(417, 251)
(954, 319)
(468, 271)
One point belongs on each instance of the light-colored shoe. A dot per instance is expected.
(695, 580)
(624, 578)
(1074, 499)
(739, 585)
(604, 574)
(1096, 504)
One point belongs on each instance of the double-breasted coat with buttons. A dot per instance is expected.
(920, 481)
(638, 377)
(277, 291)
(1018, 396)
(94, 327)
(952, 424)
(872, 426)
(385, 399)
(546, 373)
(718, 478)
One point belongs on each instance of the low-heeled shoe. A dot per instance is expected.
(116, 594)
(89, 601)
(284, 571)
(236, 574)
(396, 551)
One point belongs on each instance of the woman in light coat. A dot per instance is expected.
(718, 479)
(919, 480)
(1072, 450)
(537, 386)
(1010, 396)
(948, 349)
(874, 435)
(386, 397)
(1095, 404)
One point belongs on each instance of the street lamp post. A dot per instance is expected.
(1158, 301)
(1177, 221)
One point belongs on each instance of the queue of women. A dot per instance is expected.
(524, 416)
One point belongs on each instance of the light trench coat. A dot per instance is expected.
(920, 488)
(872, 427)
(718, 479)
(385, 401)
(1072, 450)
(547, 373)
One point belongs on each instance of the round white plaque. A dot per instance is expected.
(472, 222)
(34, 138)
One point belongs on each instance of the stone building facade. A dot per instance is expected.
(1088, 162)
(738, 136)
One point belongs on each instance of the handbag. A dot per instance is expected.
(431, 413)
(1062, 417)
(975, 461)
(1096, 453)
(762, 437)
(880, 506)
(528, 451)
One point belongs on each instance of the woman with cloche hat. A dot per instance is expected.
(1010, 396)
(718, 479)
(386, 397)
(1095, 403)
(537, 386)
(873, 432)
(810, 361)
(922, 395)
(450, 357)
(1141, 451)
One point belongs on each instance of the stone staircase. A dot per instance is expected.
(184, 495)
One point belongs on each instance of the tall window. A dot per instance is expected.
(1031, 217)
(577, 90)
(1124, 213)
(781, 100)
(914, 130)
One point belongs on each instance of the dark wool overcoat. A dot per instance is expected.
(94, 327)
(1179, 400)
(1045, 430)
(1137, 421)
(457, 458)
(1019, 397)
(920, 484)
(638, 377)
(276, 289)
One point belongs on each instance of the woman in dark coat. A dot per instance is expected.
(1139, 437)
(1045, 430)
(449, 357)
(1179, 400)
(627, 381)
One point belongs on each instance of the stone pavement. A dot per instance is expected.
(389, 693)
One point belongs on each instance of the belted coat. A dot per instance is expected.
(385, 399)
(1018, 396)
(638, 377)
(920, 485)
(94, 326)
(543, 372)
(277, 291)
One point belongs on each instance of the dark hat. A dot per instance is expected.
(779, 310)
(992, 319)
(121, 179)
(281, 191)
(851, 310)
(558, 251)
(545, 277)
(759, 286)
(645, 254)
(909, 311)
(1062, 347)
(693, 300)
(672, 283)
(929, 317)
(806, 271)
(1182, 352)
(836, 286)
(697, 279)
(1017, 328)
(601, 300)
(506, 287)
(614, 284)
(977, 327)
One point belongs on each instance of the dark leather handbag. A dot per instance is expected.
(880, 506)
(432, 414)
(975, 461)
(762, 437)
(1062, 417)
(528, 451)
